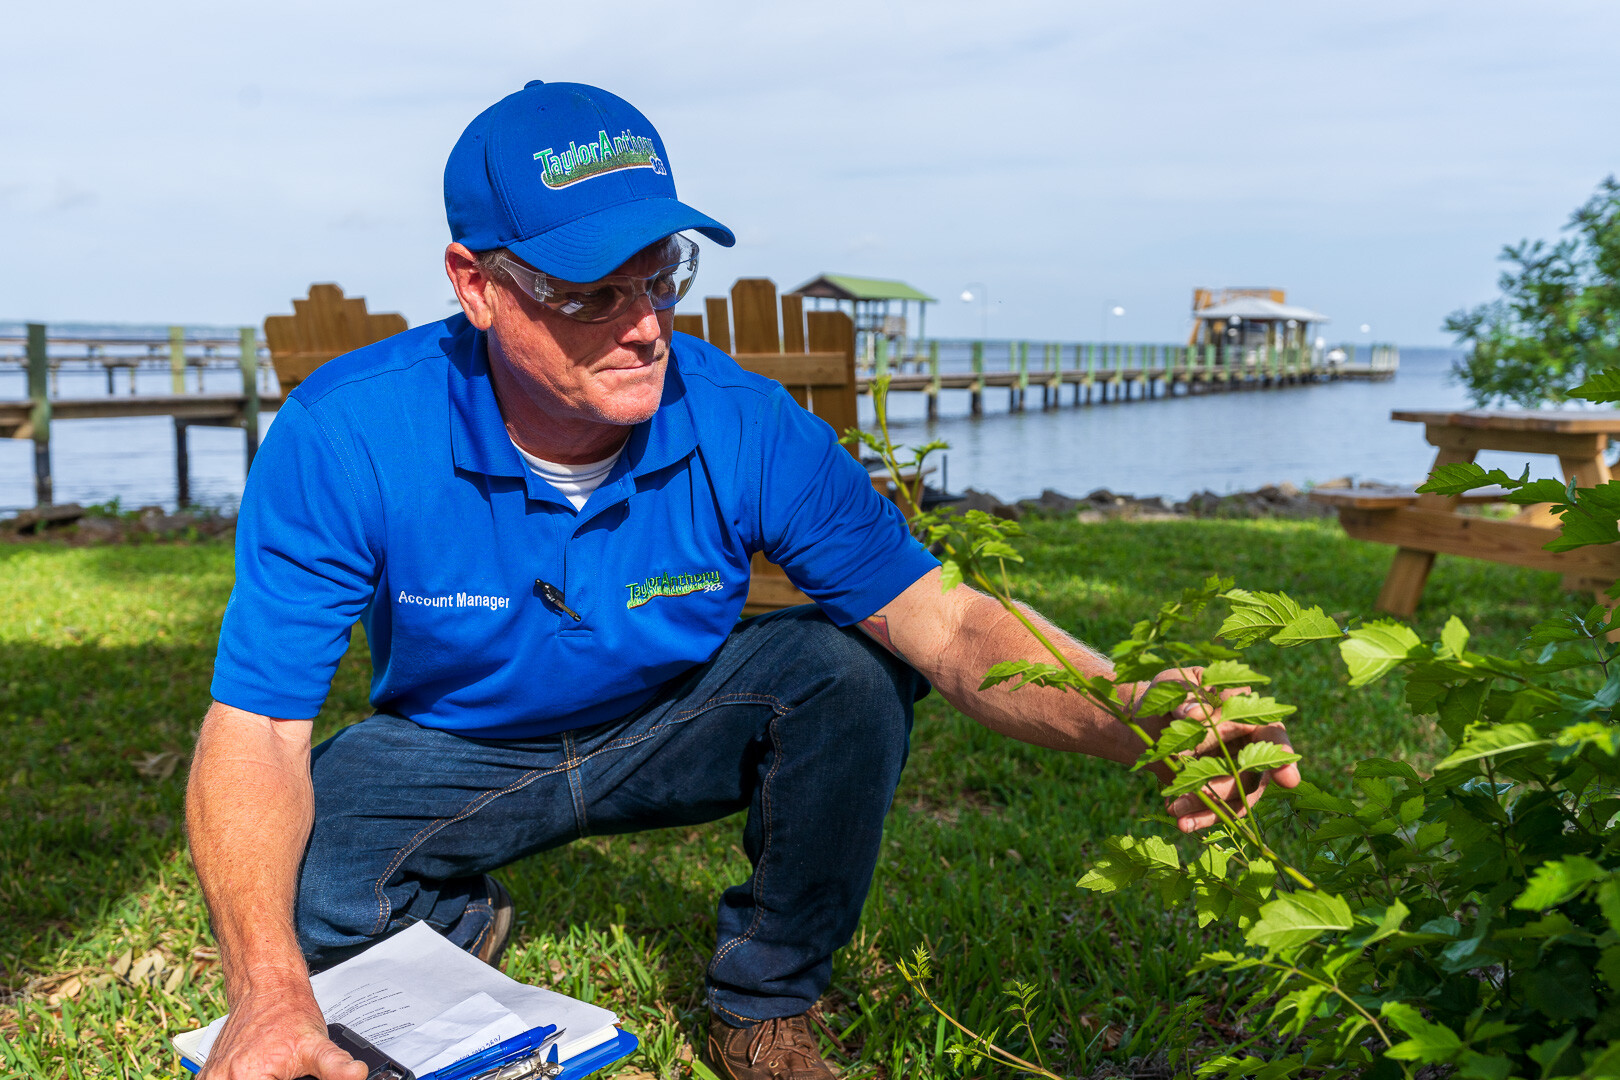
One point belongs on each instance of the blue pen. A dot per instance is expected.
(532, 1041)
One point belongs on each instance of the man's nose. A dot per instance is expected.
(641, 323)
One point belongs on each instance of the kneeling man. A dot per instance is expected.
(543, 510)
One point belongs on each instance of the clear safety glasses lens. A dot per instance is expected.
(612, 296)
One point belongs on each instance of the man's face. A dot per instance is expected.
(610, 372)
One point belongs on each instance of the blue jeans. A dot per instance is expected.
(804, 725)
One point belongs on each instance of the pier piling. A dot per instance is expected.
(39, 414)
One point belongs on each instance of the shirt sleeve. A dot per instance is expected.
(306, 568)
(846, 546)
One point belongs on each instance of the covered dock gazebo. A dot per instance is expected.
(1248, 318)
(870, 302)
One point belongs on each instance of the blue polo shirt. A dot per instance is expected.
(388, 492)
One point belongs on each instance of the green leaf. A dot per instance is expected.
(1312, 624)
(1476, 1066)
(1592, 520)
(1552, 883)
(1546, 1054)
(1374, 650)
(1111, 873)
(1181, 735)
(1297, 918)
(1430, 1043)
(1302, 1004)
(1544, 490)
(1223, 673)
(1497, 739)
(1260, 756)
(1154, 852)
(1194, 775)
(1609, 966)
(1253, 709)
(1462, 706)
(1310, 797)
(1160, 699)
(950, 575)
(1384, 767)
(1256, 616)
(1608, 898)
(1388, 920)
(1454, 638)
(1600, 386)
(1456, 478)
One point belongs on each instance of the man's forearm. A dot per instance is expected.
(249, 807)
(954, 637)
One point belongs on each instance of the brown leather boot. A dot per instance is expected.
(783, 1049)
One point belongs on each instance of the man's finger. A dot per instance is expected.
(331, 1062)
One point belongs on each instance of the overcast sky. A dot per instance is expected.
(204, 162)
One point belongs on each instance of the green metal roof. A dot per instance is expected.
(848, 287)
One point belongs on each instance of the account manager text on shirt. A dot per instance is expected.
(543, 510)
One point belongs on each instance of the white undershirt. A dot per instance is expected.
(574, 482)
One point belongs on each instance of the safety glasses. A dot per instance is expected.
(609, 297)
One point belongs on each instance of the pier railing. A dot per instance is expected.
(1111, 368)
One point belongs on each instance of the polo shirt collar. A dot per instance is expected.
(479, 442)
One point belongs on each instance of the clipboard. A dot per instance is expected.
(520, 1058)
(415, 1001)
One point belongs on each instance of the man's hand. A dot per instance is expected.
(1189, 810)
(278, 1035)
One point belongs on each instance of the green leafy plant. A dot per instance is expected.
(1468, 919)
(1558, 319)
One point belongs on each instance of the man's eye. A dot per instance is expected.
(592, 297)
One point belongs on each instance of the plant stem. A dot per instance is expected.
(1308, 977)
(992, 1048)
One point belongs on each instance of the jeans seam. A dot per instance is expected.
(713, 1004)
(489, 924)
(683, 717)
(572, 762)
(765, 803)
(384, 908)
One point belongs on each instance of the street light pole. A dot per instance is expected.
(975, 290)
(1110, 308)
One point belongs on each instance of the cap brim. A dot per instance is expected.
(597, 244)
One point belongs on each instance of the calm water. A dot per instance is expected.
(1222, 442)
(1173, 447)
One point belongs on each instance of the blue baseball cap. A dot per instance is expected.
(570, 178)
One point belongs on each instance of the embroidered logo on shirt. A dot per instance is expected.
(673, 585)
(458, 600)
(582, 161)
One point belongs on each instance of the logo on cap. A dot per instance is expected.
(583, 161)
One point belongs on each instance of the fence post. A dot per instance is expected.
(976, 391)
(39, 417)
(933, 380)
(177, 359)
(249, 362)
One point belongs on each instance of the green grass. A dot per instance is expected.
(105, 657)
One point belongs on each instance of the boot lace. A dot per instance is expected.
(787, 1036)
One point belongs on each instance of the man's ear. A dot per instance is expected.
(474, 286)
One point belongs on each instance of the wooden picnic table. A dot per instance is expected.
(1421, 526)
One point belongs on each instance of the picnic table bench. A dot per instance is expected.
(1421, 526)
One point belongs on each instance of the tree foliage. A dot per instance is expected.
(1557, 322)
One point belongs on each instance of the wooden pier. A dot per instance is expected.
(31, 418)
(1116, 372)
(327, 324)
(323, 325)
